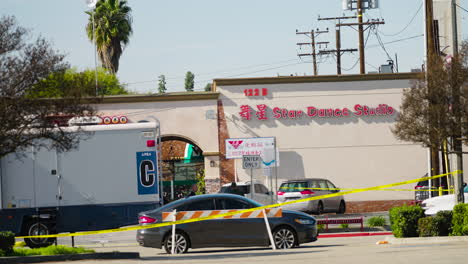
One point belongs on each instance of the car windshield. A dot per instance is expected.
(241, 190)
(293, 186)
(423, 183)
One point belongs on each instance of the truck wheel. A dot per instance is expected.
(34, 228)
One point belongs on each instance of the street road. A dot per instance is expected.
(357, 250)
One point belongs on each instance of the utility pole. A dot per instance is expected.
(362, 65)
(312, 34)
(431, 57)
(338, 49)
(360, 9)
(456, 139)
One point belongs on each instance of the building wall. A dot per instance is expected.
(191, 116)
(443, 13)
(353, 152)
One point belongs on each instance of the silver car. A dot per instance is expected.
(306, 188)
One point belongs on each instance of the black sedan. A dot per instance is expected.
(290, 230)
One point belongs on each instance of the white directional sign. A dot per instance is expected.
(251, 162)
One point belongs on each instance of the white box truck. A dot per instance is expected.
(104, 183)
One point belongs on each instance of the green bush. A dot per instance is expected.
(7, 241)
(443, 222)
(344, 226)
(50, 250)
(376, 221)
(427, 227)
(404, 220)
(460, 220)
(320, 227)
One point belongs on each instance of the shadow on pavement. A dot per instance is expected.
(235, 253)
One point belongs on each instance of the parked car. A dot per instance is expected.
(261, 193)
(304, 188)
(292, 229)
(441, 203)
(422, 191)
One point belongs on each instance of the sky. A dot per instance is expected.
(229, 39)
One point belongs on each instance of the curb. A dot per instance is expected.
(426, 240)
(37, 259)
(355, 234)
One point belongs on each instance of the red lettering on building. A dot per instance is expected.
(245, 112)
(261, 113)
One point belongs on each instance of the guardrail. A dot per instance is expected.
(339, 221)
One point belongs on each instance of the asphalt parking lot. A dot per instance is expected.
(326, 250)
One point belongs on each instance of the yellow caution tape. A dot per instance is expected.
(349, 189)
(240, 211)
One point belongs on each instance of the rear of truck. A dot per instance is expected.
(104, 183)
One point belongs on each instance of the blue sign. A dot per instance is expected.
(147, 172)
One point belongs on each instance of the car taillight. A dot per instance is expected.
(146, 220)
(307, 192)
(280, 193)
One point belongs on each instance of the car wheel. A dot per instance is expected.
(181, 243)
(35, 228)
(284, 238)
(342, 208)
(319, 208)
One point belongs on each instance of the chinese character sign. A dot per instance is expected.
(238, 147)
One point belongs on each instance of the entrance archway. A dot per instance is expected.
(182, 166)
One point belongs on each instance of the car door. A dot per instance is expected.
(240, 231)
(262, 194)
(333, 201)
(324, 190)
(202, 232)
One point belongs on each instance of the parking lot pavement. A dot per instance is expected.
(331, 250)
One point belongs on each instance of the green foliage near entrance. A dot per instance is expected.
(201, 188)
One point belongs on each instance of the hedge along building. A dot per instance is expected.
(334, 127)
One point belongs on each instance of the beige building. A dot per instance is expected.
(334, 127)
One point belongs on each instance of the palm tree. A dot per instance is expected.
(112, 30)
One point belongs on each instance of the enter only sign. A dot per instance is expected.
(251, 162)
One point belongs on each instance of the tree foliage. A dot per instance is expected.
(428, 113)
(208, 87)
(112, 31)
(162, 84)
(72, 82)
(24, 119)
(189, 81)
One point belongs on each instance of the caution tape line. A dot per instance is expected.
(350, 189)
(240, 211)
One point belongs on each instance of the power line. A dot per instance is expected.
(381, 43)
(398, 40)
(365, 44)
(461, 7)
(405, 27)
(215, 72)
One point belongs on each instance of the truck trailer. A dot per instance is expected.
(110, 177)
